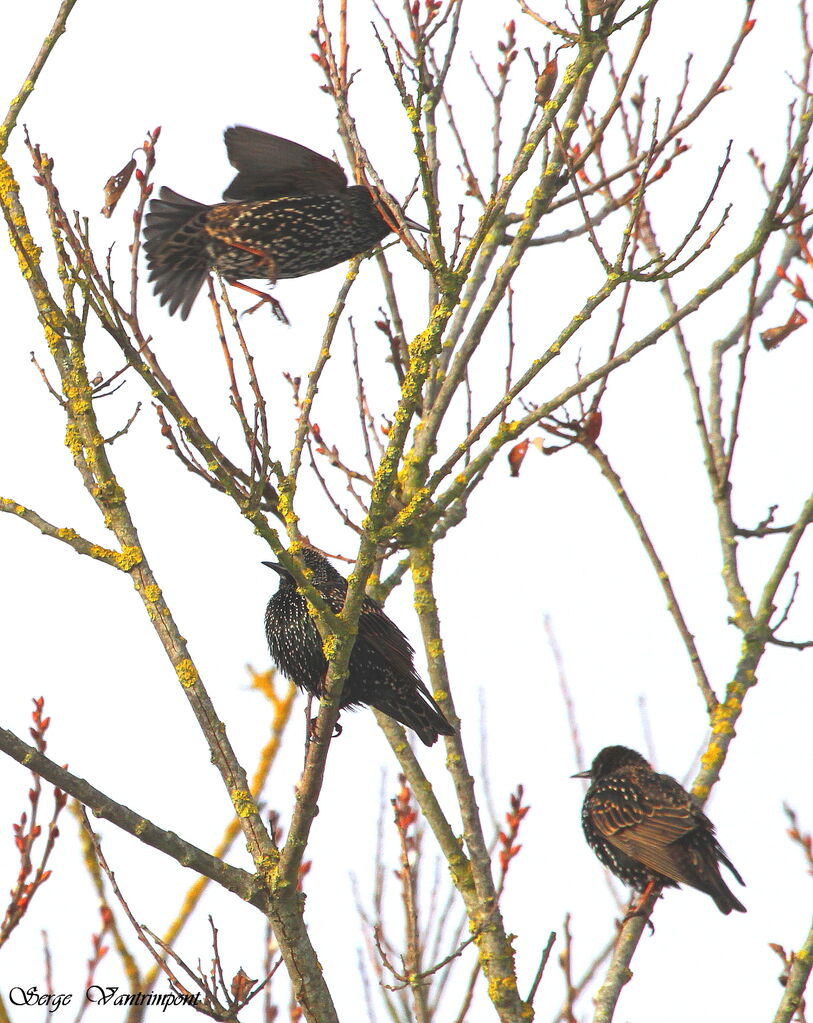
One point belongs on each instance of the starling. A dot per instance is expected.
(380, 672)
(648, 830)
(287, 213)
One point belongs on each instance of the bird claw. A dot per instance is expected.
(638, 906)
(337, 730)
(631, 914)
(276, 309)
(264, 297)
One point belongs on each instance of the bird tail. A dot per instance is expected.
(724, 899)
(422, 715)
(175, 245)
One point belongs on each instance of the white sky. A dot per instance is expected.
(553, 542)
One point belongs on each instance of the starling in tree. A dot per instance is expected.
(648, 830)
(380, 672)
(287, 213)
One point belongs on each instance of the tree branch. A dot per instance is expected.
(234, 879)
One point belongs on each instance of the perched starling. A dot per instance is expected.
(381, 672)
(287, 213)
(648, 830)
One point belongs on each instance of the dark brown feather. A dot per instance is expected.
(647, 828)
(289, 213)
(270, 167)
(381, 672)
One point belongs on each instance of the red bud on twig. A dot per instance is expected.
(546, 82)
(516, 455)
(774, 336)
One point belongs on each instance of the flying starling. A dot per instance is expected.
(648, 830)
(380, 674)
(287, 213)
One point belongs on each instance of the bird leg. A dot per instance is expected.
(636, 907)
(311, 723)
(337, 729)
(264, 297)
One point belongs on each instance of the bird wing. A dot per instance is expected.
(646, 829)
(270, 167)
(721, 855)
(384, 636)
(376, 629)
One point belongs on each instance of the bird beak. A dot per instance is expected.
(415, 226)
(581, 774)
(275, 566)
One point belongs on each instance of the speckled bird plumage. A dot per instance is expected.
(381, 672)
(288, 212)
(646, 828)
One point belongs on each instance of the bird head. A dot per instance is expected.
(322, 572)
(610, 759)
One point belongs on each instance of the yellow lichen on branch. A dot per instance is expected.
(244, 805)
(28, 254)
(187, 673)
